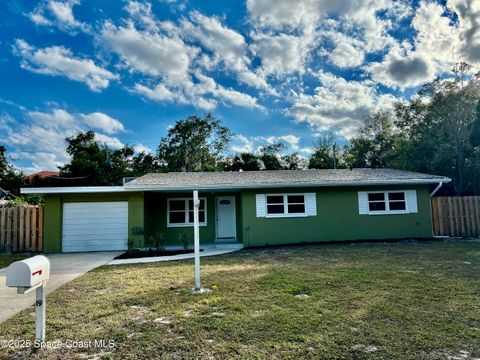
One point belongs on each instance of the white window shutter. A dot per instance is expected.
(311, 204)
(261, 205)
(362, 202)
(411, 196)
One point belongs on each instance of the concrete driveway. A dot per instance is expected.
(64, 268)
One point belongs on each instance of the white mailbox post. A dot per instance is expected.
(28, 275)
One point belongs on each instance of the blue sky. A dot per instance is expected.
(272, 70)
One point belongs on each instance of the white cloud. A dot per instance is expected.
(57, 13)
(154, 54)
(439, 43)
(281, 54)
(241, 144)
(469, 15)
(348, 51)
(139, 148)
(110, 141)
(226, 45)
(59, 61)
(338, 105)
(56, 118)
(42, 140)
(204, 94)
(101, 121)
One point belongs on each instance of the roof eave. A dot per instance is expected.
(160, 187)
(129, 187)
(73, 190)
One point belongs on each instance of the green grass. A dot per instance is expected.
(7, 259)
(375, 301)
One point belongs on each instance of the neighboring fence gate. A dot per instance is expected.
(456, 216)
(21, 228)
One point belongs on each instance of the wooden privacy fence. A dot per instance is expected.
(21, 228)
(456, 216)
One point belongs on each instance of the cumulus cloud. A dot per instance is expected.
(204, 94)
(226, 45)
(41, 141)
(101, 121)
(281, 54)
(469, 15)
(57, 13)
(154, 54)
(59, 61)
(338, 105)
(438, 44)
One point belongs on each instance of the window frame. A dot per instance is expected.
(285, 205)
(186, 212)
(386, 201)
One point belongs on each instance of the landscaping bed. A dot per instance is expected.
(141, 253)
(353, 301)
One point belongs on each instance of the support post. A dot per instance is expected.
(40, 312)
(196, 237)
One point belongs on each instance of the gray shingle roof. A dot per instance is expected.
(287, 178)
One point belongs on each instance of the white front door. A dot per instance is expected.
(226, 224)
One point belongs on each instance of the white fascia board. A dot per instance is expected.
(142, 187)
(73, 190)
(131, 187)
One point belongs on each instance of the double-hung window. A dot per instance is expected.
(282, 205)
(180, 212)
(387, 202)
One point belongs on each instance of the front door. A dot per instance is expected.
(226, 224)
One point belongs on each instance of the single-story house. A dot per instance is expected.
(256, 208)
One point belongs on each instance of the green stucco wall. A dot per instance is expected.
(156, 218)
(337, 219)
(54, 211)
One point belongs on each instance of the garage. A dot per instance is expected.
(95, 226)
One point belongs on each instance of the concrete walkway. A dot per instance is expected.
(208, 250)
(64, 268)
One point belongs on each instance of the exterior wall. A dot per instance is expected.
(337, 219)
(54, 212)
(156, 218)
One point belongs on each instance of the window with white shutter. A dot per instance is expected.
(387, 202)
(286, 205)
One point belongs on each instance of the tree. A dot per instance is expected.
(293, 162)
(270, 156)
(244, 161)
(194, 144)
(10, 178)
(322, 157)
(375, 146)
(92, 163)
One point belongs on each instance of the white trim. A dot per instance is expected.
(363, 197)
(286, 214)
(297, 184)
(187, 211)
(74, 190)
(234, 216)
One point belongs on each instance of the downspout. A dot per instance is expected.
(440, 184)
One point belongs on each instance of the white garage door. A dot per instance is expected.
(95, 226)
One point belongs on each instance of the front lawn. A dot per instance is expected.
(7, 259)
(375, 301)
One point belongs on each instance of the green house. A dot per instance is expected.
(255, 208)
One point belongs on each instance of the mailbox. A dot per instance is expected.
(28, 273)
